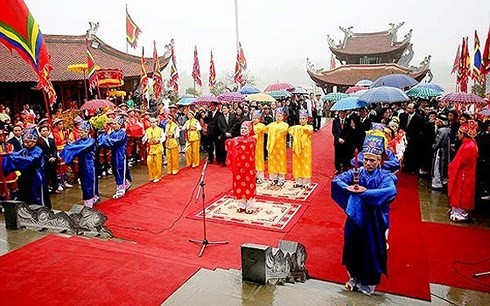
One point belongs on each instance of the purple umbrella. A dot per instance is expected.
(395, 80)
(206, 99)
(231, 97)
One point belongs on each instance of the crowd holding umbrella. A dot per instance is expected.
(280, 94)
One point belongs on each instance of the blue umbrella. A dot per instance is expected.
(347, 104)
(186, 101)
(395, 80)
(364, 83)
(334, 96)
(384, 94)
(280, 94)
(432, 86)
(248, 90)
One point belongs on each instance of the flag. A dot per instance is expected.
(157, 75)
(144, 75)
(238, 78)
(476, 73)
(196, 69)
(457, 59)
(132, 31)
(212, 72)
(91, 70)
(19, 31)
(485, 67)
(174, 74)
(464, 66)
(241, 57)
(333, 64)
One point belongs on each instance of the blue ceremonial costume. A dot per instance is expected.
(33, 184)
(84, 149)
(364, 252)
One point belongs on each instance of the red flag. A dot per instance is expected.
(457, 59)
(174, 74)
(92, 75)
(212, 72)
(157, 75)
(464, 71)
(238, 78)
(196, 69)
(144, 75)
(132, 31)
(241, 57)
(485, 67)
(333, 64)
(19, 31)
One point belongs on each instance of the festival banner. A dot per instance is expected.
(464, 66)
(212, 72)
(476, 73)
(132, 31)
(485, 67)
(196, 69)
(144, 75)
(157, 75)
(91, 69)
(174, 74)
(19, 31)
(457, 60)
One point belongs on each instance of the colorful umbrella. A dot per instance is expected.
(422, 92)
(186, 101)
(384, 94)
(433, 86)
(348, 104)
(96, 104)
(260, 97)
(395, 80)
(364, 83)
(231, 97)
(280, 94)
(463, 98)
(248, 90)
(279, 86)
(354, 89)
(299, 91)
(206, 99)
(334, 96)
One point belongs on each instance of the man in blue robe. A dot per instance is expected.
(364, 252)
(33, 183)
(117, 140)
(84, 148)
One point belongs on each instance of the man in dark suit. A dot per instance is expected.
(364, 121)
(211, 119)
(16, 141)
(50, 152)
(339, 131)
(413, 124)
(226, 124)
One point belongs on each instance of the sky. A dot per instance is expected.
(277, 35)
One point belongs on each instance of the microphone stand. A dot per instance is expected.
(204, 242)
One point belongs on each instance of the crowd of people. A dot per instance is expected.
(428, 138)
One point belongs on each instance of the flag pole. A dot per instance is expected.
(126, 20)
(236, 24)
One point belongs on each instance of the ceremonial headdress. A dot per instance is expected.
(77, 120)
(57, 120)
(303, 113)
(374, 145)
(153, 119)
(191, 112)
(378, 126)
(249, 126)
(279, 111)
(42, 122)
(30, 133)
(469, 128)
(119, 120)
(257, 114)
(84, 125)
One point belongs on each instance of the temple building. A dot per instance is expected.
(368, 56)
(17, 78)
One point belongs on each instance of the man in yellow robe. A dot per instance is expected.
(172, 144)
(259, 131)
(192, 128)
(276, 149)
(154, 138)
(302, 152)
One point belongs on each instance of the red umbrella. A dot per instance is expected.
(354, 89)
(206, 99)
(278, 87)
(463, 98)
(96, 104)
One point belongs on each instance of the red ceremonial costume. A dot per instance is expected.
(240, 159)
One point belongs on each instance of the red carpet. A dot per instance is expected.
(78, 271)
(456, 253)
(153, 216)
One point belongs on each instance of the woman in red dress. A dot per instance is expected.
(240, 159)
